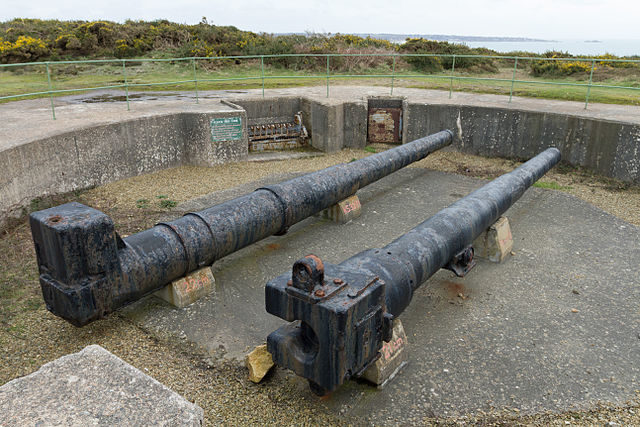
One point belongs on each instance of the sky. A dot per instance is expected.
(544, 19)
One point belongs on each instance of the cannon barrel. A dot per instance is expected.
(88, 271)
(341, 314)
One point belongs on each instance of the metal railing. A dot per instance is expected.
(327, 76)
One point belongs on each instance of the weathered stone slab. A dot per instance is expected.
(188, 289)
(343, 211)
(393, 357)
(93, 388)
(496, 242)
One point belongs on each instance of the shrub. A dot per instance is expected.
(439, 63)
(24, 49)
(552, 68)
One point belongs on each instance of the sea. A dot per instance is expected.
(573, 47)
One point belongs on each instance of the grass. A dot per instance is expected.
(143, 203)
(144, 76)
(551, 186)
(163, 202)
(168, 204)
(18, 271)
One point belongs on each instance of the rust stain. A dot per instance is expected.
(325, 397)
(384, 124)
(318, 261)
(54, 219)
(454, 290)
(273, 246)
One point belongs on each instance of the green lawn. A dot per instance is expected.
(179, 75)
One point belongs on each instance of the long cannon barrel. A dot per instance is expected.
(88, 271)
(341, 314)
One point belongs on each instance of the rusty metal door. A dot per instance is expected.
(384, 125)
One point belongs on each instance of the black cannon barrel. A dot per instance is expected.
(87, 270)
(342, 313)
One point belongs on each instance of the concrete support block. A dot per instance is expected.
(188, 289)
(355, 124)
(393, 357)
(496, 242)
(93, 388)
(259, 362)
(344, 211)
(327, 127)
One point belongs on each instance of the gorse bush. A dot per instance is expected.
(559, 67)
(23, 49)
(29, 40)
(578, 67)
(439, 63)
(52, 39)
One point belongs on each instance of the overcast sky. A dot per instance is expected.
(546, 19)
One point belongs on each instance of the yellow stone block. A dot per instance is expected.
(393, 357)
(259, 362)
(188, 289)
(496, 242)
(344, 211)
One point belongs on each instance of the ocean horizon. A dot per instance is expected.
(573, 47)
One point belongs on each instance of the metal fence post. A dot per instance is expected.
(453, 69)
(126, 84)
(513, 78)
(393, 73)
(593, 65)
(53, 110)
(327, 76)
(195, 78)
(262, 72)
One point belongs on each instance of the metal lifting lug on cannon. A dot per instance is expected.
(341, 314)
(88, 271)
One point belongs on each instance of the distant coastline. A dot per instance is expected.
(400, 38)
(524, 45)
(449, 38)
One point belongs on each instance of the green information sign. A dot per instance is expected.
(226, 129)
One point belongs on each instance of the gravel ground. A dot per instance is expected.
(30, 336)
(184, 183)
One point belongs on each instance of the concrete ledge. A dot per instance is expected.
(93, 387)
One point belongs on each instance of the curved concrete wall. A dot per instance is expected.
(97, 155)
(103, 153)
(607, 147)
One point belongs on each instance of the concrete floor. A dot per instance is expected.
(514, 342)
